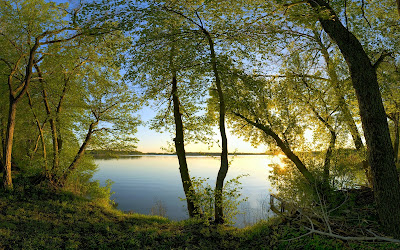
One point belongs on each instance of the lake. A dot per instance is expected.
(141, 182)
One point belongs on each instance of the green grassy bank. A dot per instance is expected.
(36, 218)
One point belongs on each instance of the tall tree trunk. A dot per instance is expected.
(15, 96)
(58, 112)
(190, 194)
(223, 170)
(7, 179)
(373, 118)
(181, 154)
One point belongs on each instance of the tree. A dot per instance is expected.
(24, 33)
(92, 87)
(162, 62)
(376, 131)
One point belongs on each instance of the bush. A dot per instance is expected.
(203, 195)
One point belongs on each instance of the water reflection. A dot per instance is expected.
(143, 181)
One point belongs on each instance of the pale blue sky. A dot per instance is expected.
(152, 141)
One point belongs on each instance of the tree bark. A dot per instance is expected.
(344, 107)
(373, 117)
(223, 170)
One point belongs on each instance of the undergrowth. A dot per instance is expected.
(37, 218)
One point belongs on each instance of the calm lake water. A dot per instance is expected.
(143, 181)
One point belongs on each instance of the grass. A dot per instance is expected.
(34, 218)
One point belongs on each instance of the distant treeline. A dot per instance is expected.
(118, 153)
(100, 153)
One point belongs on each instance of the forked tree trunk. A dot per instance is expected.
(223, 170)
(373, 117)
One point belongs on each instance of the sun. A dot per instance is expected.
(279, 160)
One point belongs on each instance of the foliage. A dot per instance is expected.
(346, 173)
(205, 198)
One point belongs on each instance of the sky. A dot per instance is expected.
(151, 141)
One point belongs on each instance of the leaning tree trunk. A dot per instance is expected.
(373, 118)
(74, 164)
(223, 170)
(285, 149)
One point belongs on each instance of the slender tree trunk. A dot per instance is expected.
(74, 164)
(190, 194)
(15, 96)
(41, 135)
(58, 112)
(344, 107)
(373, 117)
(181, 154)
(223, 170)
(7, 179)
(328, 157)
(53, 126)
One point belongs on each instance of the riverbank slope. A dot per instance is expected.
(36, 218)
